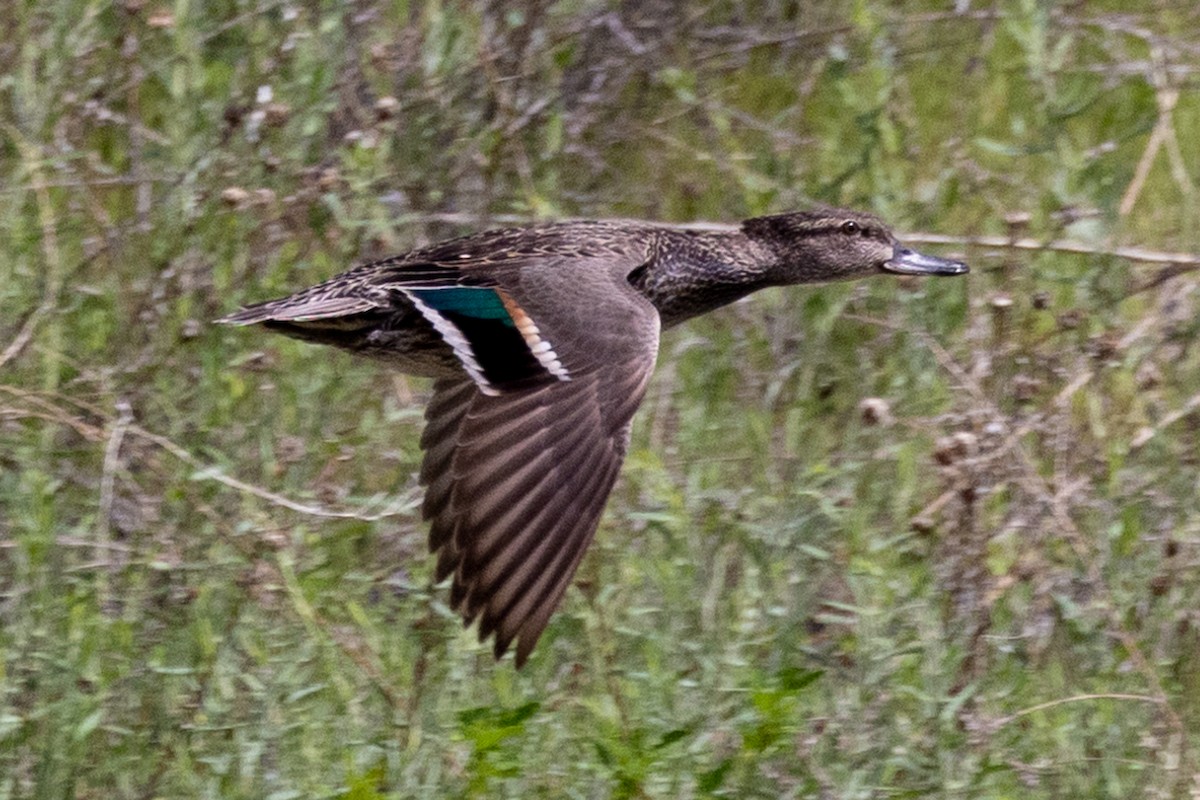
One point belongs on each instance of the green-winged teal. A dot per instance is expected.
(542, 340)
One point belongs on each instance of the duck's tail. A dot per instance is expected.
(300, 308)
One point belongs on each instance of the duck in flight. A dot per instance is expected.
(541, 341)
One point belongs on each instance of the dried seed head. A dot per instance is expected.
(1070, 319)
(386, 107)
(875, 411)
(235, 196)
(1025, 388)
(1148, 376)
(328, 179)
(1105, 346)
(955, 447)
(277, 113)
(923, 524)
(1017, 221)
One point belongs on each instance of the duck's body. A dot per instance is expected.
(367, 310)
(542, 340)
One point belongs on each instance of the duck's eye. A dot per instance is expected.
(851, 228)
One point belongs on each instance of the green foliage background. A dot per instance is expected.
(212, 573)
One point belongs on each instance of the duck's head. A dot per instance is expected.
(835, 244)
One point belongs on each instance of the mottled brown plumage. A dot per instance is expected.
(542, 341)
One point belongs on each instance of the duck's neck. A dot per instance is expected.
(694, 273)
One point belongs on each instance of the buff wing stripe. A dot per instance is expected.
(498, 343)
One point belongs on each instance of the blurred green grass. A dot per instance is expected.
(212, 577)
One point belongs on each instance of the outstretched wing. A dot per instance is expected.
(517, 479)
(521, 451)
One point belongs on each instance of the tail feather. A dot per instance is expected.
(247, 316)
(299, 309)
